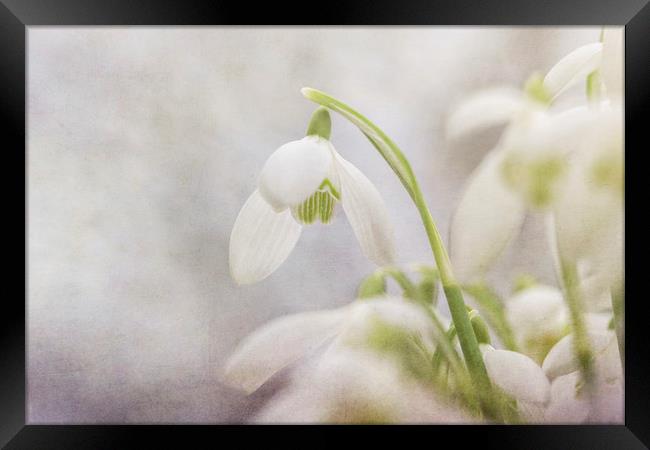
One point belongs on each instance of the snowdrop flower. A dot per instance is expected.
(528, 166)
(485, 220)
(499, 105)
(569, 403)
(588, 217)
(357, 386)
(561, 359)
(539, 318)
(301, 183)
(491, 107)
(286, 340)
(526, 169)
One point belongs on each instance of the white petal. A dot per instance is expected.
(394, 311)
(517, 375)
(488, 216)
(366, 212)
(278, 344)
(612, 71)
(349, 386)
(589, 216)
(540, 134)
(531, 412)
(573, 68)
(261, 240)
(565, 406)
(561, 359)
(537, 311)
(294, 172)
(487, 108)
(562, 132)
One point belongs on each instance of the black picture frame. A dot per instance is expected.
(17, 15)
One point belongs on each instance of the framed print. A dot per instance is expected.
(403, 214)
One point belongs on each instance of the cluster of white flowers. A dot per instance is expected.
(552, 354)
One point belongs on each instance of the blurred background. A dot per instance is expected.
(144, 143)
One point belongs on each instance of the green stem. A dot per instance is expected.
(409, 289)
(400, 165)
(438, 353)
(445, 346)
(581, 344)
(467, 339)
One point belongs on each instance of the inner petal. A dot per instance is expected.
(319, 205)
(294, 172)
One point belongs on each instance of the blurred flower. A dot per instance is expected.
(487, 108)
(370, 323)
(588, 215)
(534, 164)
(569, 401)
(486, 218)
(561, 359)
(528, 168)
(300, 183)
(356, 386)
(499, 105)
(570, 405)
(539, 318)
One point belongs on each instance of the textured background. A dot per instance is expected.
(145, 142)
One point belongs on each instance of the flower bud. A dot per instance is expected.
(480, 328)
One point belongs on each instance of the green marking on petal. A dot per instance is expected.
(607, 171)
(544, 174)
(537, 179)
(320, 205)
(327, 184)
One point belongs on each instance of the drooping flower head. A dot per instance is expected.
(534, 164)
(300, 184)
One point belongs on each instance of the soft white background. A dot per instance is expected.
(145, 142)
